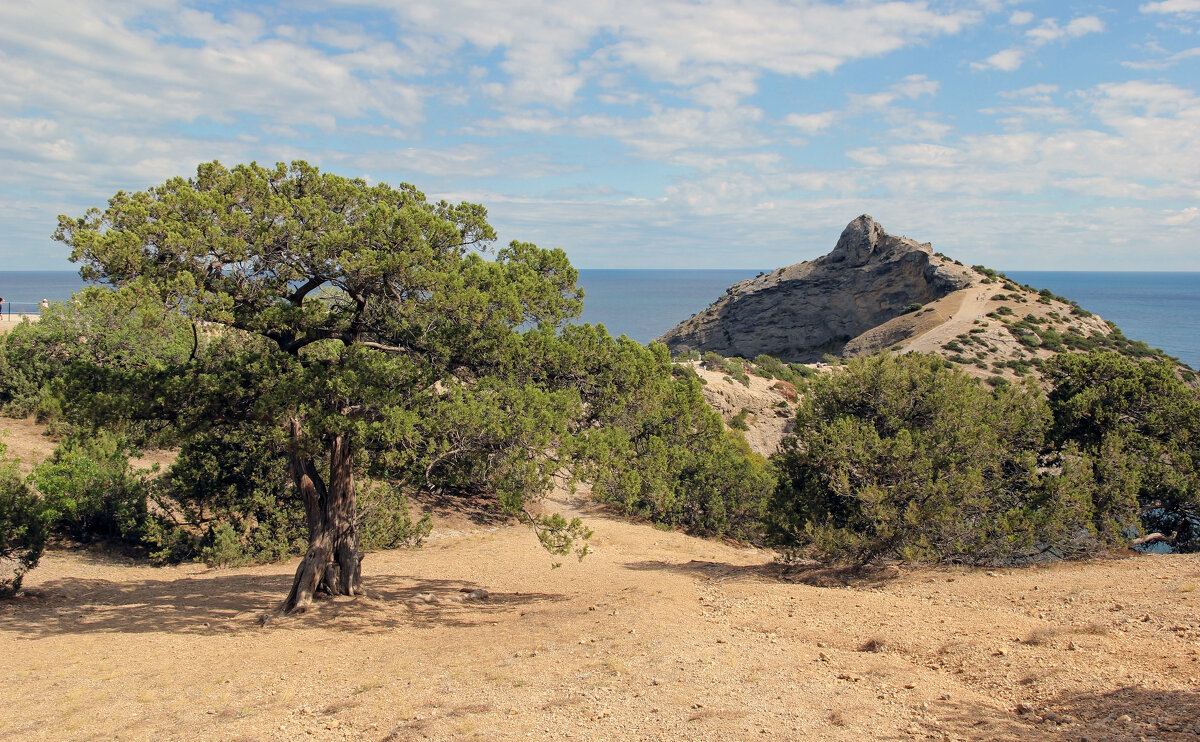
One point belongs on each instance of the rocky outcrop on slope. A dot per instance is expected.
(803, 311)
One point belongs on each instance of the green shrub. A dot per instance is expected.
(91, 491)
(910, 308)
(899, 456)
(656, 449)
(227, 500)
(738, 421)
(1134, 428)
(118, 330)
(23, 526)
(773, 368)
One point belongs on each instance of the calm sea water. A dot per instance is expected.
(1162, 309)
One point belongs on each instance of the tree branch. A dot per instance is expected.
(298, 295)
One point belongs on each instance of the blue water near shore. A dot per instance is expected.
(1163, 309)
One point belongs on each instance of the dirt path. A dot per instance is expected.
(958, 313)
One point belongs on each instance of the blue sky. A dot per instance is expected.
(703, 134)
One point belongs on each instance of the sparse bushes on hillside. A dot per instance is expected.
(651, 445)
(773, 368)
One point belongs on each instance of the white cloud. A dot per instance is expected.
(1049, 30)
(1020, 17)
(1171, 6)
(910, 87)
(1006, 60)
(1166, 62)
(98, 61)
(1009, 60)
(698, 47)
(1039, 93)
(1183, 216)
(811, 123)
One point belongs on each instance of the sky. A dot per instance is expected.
(699, 134)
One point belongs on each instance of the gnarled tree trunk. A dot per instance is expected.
(332, 564)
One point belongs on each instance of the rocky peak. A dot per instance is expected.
(802, 311)
(864, 241)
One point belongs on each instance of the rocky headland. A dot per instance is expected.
(803, 311)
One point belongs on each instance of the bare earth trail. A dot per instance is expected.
(957, 314)
(655, 636)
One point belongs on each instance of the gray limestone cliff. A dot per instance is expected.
(803, 311)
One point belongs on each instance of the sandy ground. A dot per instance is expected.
(654, 636)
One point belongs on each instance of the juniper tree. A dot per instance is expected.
(369, 303)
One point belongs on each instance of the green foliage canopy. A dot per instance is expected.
(1138, 425)
(907, 456)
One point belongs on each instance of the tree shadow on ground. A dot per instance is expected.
(479, 508)
(817, 575)
(1152, 714)
(948, 719)
(1123, 715)
(231, 603)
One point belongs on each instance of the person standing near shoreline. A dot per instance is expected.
(45, 305)
(1, 307)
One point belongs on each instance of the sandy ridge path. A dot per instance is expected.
(958, 312)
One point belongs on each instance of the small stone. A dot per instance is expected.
(1023, 708)
(1124, 719)
(1071, 646)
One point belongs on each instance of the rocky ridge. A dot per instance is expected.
(803, 311)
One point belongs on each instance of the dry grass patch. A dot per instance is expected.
(1041, 637)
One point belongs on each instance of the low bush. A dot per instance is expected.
(23, 526)
(905, 457)
(91, 491)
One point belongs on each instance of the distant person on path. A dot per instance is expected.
(45, 304)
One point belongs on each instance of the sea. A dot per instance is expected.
(1162, 309)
